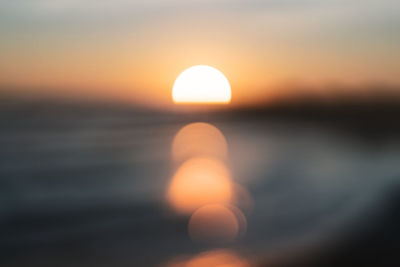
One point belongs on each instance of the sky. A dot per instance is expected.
(134, 50)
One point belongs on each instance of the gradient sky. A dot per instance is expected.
(134, 50)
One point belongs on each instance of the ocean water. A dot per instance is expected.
(87, 186)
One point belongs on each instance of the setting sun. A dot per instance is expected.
(201, 84)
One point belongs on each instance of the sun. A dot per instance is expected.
(201, 84)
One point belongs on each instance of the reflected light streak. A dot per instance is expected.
(202, 187)
(199, 139)
(199, 181)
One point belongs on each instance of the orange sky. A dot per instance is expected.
(135, 51)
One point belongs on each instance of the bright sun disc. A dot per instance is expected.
(201, 84)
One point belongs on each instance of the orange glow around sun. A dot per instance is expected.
(201, 84)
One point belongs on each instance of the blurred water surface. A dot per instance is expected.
(87, 186)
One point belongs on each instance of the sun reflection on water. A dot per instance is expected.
(203, 188)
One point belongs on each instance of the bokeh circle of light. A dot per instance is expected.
(201, 84)
(199, 139)
(197, 182)
(213, 223)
